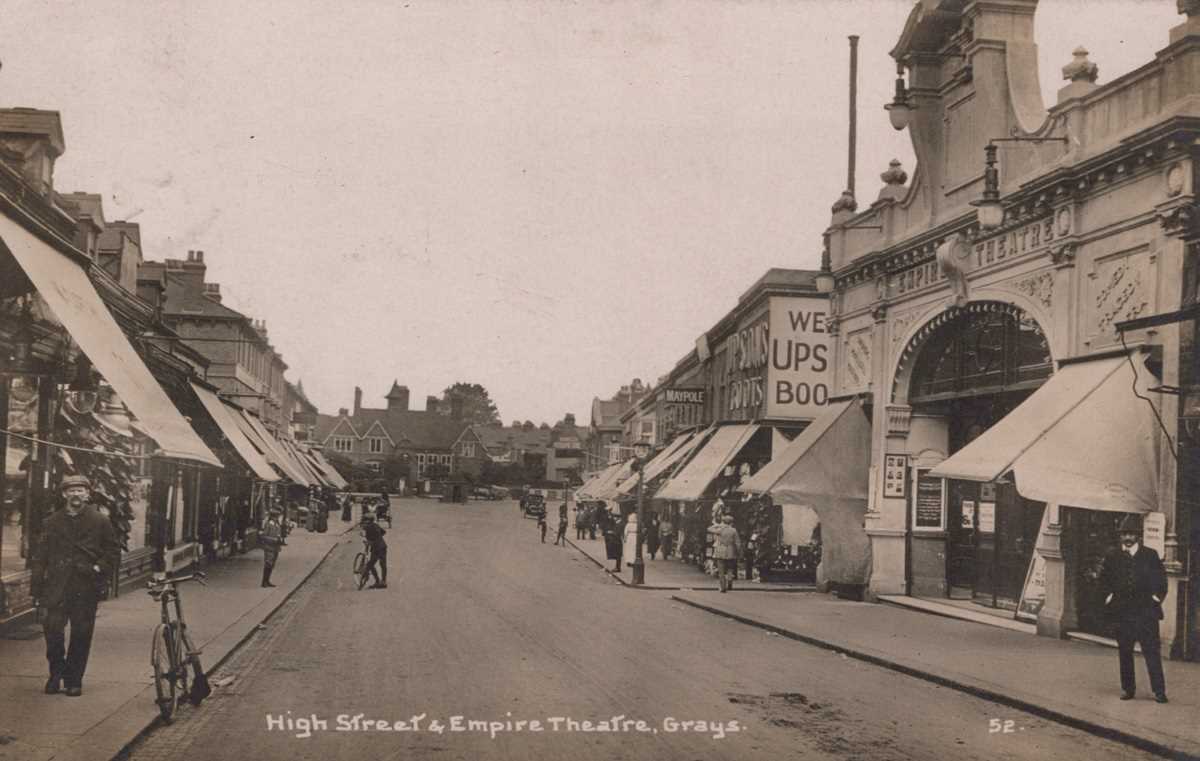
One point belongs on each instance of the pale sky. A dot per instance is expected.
(546, 198)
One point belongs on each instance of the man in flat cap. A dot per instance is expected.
(74, 559)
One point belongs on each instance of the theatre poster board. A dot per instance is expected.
(1033, 594)
(928, 501)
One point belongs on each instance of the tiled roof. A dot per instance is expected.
(607, 412)
(417, 429)
(182, 300)
(500, 439)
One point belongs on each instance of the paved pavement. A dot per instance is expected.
(483, 622)
(118, 700)
(1073, 682)
(670, 573)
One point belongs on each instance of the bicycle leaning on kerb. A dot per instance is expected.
(172, 652)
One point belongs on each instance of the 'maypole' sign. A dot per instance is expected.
(799, 373)
(681, 395)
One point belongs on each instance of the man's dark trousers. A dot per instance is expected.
(1144, 631)
(78, 608)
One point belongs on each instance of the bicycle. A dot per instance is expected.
(361, 572)
(172, 651)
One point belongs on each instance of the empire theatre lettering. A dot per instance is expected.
(779, 366)
(985, 252)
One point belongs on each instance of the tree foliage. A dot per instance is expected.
(477, 406)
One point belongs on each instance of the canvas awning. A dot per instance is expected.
(594, 481)
(310, 471)
(607, 489)
(690, 483)
(665, 460)
(270, 448)
(831, 457)
(827, 468)
(66, 289)
(223, 417)
(330, 472)
(1082, 439)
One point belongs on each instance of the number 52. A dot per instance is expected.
(1007, 726)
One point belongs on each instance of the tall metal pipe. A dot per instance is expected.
(853, 112)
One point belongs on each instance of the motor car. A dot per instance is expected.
(487, 492)
(534, 506)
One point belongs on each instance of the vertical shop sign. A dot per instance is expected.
(968, 513)
(798, 376)
(929, 502)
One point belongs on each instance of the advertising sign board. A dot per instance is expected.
(799, 374)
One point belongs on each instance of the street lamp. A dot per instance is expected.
(900, 109)
(640, 450)
(990, 209)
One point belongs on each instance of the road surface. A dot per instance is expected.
(483, 622)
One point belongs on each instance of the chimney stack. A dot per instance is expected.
(431, 403)
(357, 400)
(193, 269)
(213, 291)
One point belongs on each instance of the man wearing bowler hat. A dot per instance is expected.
(1134, 584)
(74, 559)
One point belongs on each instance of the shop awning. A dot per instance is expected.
(65, 288)
(297, 460)
(607, 489)
(223, 417)
(665, 460)
(827, 468)
(830, 458)
(316, 475)
(270, 448)
(1082, 439)
(330, 472)
(588, 485)
(690, 483)
(310, 472)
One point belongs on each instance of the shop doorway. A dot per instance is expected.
(1090, 536)
(990, 541)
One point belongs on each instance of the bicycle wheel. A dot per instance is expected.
(181, 661)
(363, 575)
(191, 659)
(164, 679)
(360, 562)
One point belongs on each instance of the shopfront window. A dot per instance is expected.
(21, 419)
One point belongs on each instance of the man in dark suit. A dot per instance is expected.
(1134, 583)
(74, 557)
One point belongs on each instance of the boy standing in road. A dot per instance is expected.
(374, 534)
(542, 527)
(561, 539)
